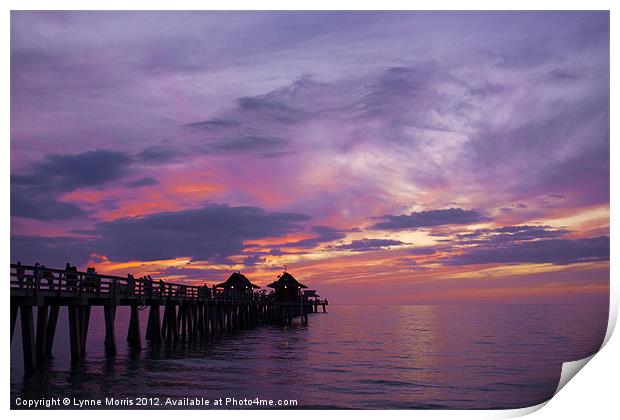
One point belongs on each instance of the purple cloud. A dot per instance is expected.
(366, 244)
(430, 218)
(63, 173)
(509, 234)
(142, 182)
(213, 232)
(554, 251)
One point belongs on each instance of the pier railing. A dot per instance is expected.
(35, 281)
(40, 281)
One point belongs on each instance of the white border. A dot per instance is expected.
(593, 395)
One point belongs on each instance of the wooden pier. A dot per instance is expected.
(189, 312)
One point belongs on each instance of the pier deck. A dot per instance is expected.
(189, 312)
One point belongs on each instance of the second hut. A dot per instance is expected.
(286, 288)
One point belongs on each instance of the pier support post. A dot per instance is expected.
(200, 319)
(233, 315)
(14, 310)
(191, 321)
(182, 320)
(243, 319)
(208, 330)
(157, 325)
(211, 324)
(41, 342)
(173, 323)
(75, 330)
(166, 333)
(164, 324)
(51, 329)
(133, 334)
(169, 325)
(28, 339)
(196, 320)
(153, 326)
(109, 314)
(84, 321)
(220, 314)
(213, 318)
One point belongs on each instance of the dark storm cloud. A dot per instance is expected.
(554, 251)
(367, 244)
(253, 259)
(211, 233)
(51, 251)
(42, 206)
(268, 107)
(249, 143)
(430, 218)
(34, 194)
(192, 273)
(427, 250)
(510, 234)
(212, 124)
(288, 104)
(157, 154)
(142, 182)
(62, 173)
(324, 234)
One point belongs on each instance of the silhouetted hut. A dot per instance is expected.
(237, 281)
(287, 287)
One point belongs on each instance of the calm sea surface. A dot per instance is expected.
(381, 357)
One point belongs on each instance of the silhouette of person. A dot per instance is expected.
(91, 281)
(37, 277)
(148, 285)
(130, 283)
(71, 277)
(47, 275)
(19, 272)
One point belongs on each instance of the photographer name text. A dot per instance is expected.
(150, 402)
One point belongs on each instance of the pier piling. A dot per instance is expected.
(41, 339)
(133, 333)
(28, 339)
(52, 321)
(109, 315)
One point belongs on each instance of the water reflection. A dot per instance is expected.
(354, 357)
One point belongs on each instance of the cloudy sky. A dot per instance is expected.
(384, 157)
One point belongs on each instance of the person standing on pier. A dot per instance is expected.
(71, 277)
(162, 288)
(130, 284)
(19, 271)
(92, 281)
(47, 275)
(148, 286)
(37, 277)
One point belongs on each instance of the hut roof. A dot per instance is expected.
(237, 281)
(287, 279)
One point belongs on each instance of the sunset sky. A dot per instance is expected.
(408, 157)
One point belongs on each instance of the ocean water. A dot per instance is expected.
(354, 356)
